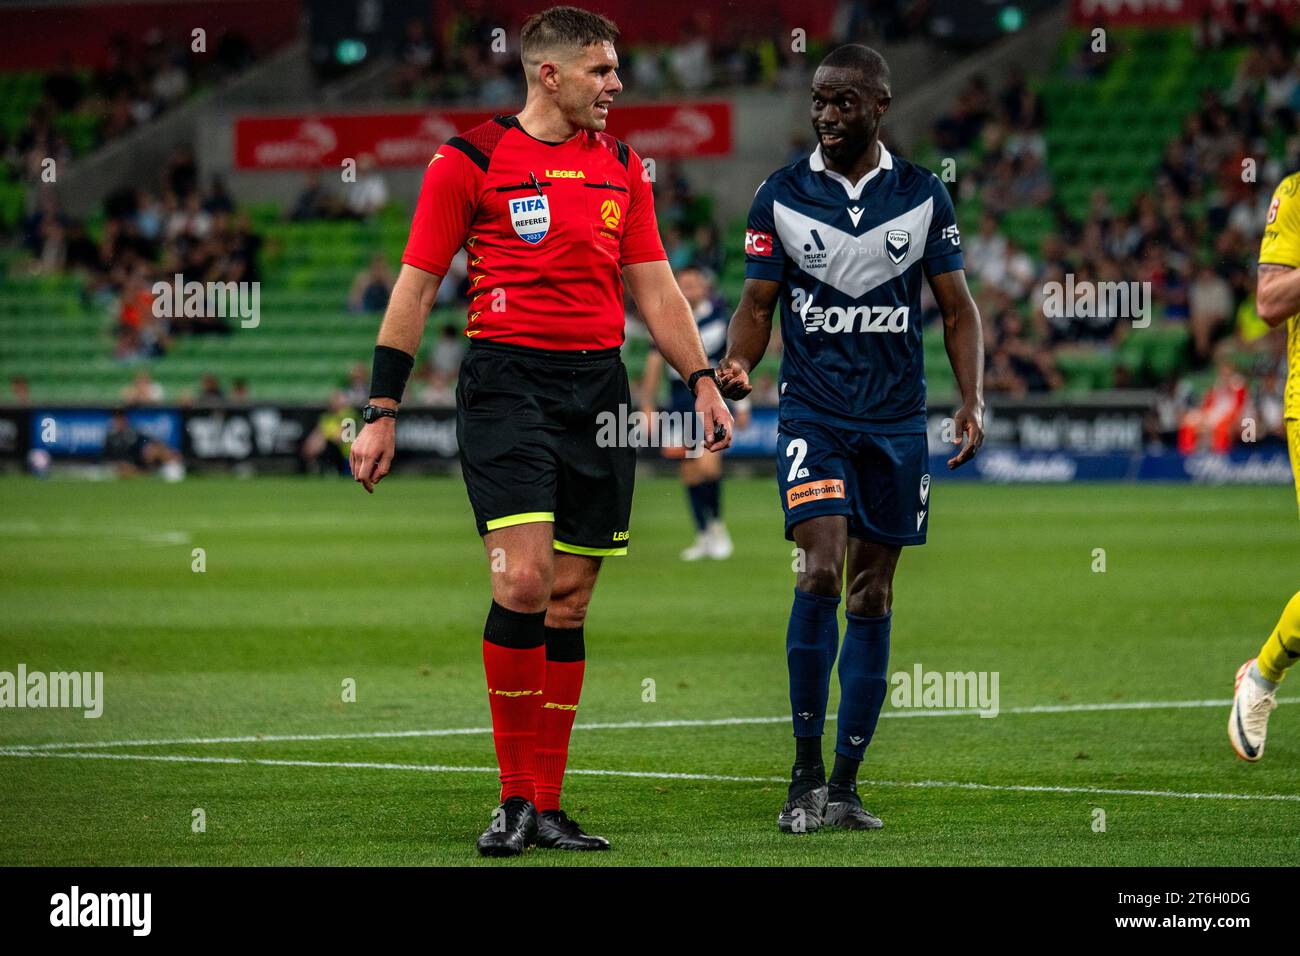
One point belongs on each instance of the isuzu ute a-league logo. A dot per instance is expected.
(531, 217)
(897, 242)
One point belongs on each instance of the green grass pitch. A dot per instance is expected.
(311, 582)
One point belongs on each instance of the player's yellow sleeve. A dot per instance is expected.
(1281, 245)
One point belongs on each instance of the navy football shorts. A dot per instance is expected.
(881, 483)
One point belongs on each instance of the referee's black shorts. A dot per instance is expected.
(528, 421)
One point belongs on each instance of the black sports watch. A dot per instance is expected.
(373, 413)
(702, 373)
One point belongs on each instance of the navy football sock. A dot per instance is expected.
(844, 778)
(864, 660)
(712, 491)
(811, 640)
(699, 506)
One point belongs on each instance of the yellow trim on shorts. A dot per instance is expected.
(589, 552)
(525, 517)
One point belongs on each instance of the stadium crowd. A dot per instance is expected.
(149, 236)
(1192, 235)
(140, 79)
(447, 63)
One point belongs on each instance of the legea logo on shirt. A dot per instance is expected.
(531, 217)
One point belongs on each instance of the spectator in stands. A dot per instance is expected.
(1162, 421)
(239, 393)
(39, 141)
(140, 333)
(1211, 310)
(210, 394)
(448, 353)
(313, 202)
(357, 390)
(1267, 407)
(690, 61)
(182, 175)
(171, 83)
(369, 193)
(1216, 425)
(190, 221)
(432, 388)
(218, 199)
(707, 251)
(142, 390)
(415, 59)
(371, 287)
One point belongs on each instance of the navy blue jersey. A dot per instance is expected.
(850, 260)
(711, 319)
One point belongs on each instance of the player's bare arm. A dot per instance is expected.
(412, 298)
(748, 336)
(1277, 293)
(668, 317)
(963, 338)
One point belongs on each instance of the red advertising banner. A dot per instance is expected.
(1166, 12)
(410, 138)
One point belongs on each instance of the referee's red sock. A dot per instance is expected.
(565, 662)
(514, 659)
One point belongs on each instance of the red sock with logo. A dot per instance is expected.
(514, 659)
(565, 662)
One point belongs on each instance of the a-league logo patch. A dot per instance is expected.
(531, 217)
(925, 488)
(897, 242)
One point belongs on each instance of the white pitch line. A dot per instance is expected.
(658, 775)
(620, 725)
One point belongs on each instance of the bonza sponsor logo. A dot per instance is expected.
(857, 318)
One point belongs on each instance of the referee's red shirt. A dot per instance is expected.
(547, 228)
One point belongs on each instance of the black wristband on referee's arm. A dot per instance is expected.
(702, 373)
(391, 369)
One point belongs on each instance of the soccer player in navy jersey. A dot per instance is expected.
(843, 238)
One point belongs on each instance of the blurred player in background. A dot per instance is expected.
(555, 216)
(1277, 300)
(325, 449)
(843, 238)
(132, 453)
(701, 472)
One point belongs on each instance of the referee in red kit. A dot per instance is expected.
(555, 216)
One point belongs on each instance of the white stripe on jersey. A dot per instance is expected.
(852, 265)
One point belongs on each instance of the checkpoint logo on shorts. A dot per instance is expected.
(531, 217)
(814, 491)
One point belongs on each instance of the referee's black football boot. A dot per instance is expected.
(555, 831)
(513, 829)
(844, 811)
(805, 807)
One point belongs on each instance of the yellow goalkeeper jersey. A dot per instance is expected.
(1281, 246)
